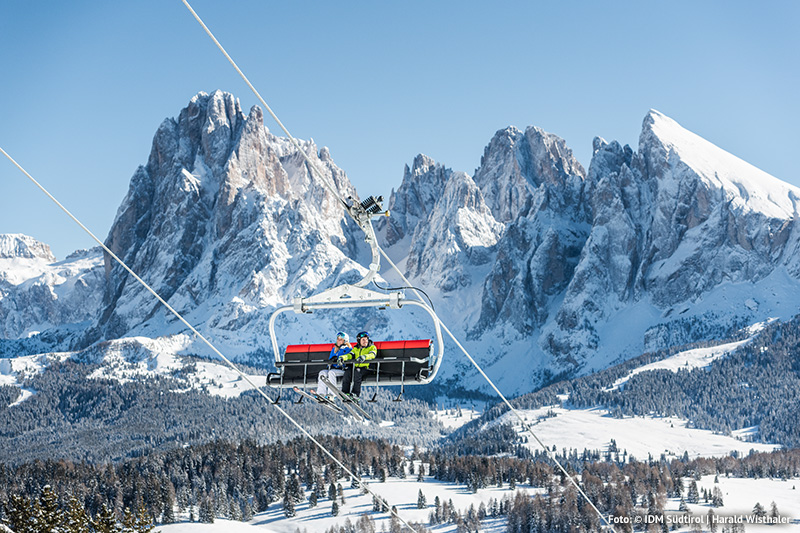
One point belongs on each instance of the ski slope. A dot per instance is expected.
(691, 359)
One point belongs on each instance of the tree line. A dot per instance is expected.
(235, 481)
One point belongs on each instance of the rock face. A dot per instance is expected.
(535, 187)
(225, 217)
(423, 184)
(676, 242)
(224, 221)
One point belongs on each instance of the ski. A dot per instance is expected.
(320, 400)
(352, 406)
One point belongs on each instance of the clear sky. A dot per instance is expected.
(85, 84)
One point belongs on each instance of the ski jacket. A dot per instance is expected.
(343, 350)
(369, 352)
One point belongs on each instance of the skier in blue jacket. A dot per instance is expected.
(334, 371)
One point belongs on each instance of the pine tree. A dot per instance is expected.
(759, 511)
(312, 500)
(50, 515)
(716, 497)
(288, 505)
(144, 522)
(773, 511)
(481, 511)
(128, 521)
(335, 508)
(19, 512)
(247, 511)
(206, 513)
(293, 489)
(75, 519)
(693, 496)
(365, 524)
(105, 521)
(422, 502)
(332, 491)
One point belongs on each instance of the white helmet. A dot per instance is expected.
(344, 336)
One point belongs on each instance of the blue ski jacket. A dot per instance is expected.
(336, 354)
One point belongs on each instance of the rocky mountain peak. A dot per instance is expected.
(17, 245)
(460, 233)
(219, 212)
(516, 164)
(423, 184)
(671, 151)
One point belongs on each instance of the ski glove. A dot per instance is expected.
(339, 360)
(360, 359)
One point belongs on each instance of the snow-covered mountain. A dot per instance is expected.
(38, 293)
(676, 242)
(542, 267)
(224, 221)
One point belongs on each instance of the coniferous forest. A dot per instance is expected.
(235, 481)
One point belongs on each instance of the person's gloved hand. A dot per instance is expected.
(339, 360)
(361, 359)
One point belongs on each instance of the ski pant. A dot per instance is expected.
(331, 375)
(353, 376)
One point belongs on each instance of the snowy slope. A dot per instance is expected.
(739, 497)
(401, 493)
(690, 359)
(745, 186)
(130, 358)
(640, 437)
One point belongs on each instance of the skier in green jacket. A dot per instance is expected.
(364, 351)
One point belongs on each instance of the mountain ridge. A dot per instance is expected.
(536, 260)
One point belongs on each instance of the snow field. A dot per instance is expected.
(402, 493)
(594, 428)
(740, 495)
(452, 420)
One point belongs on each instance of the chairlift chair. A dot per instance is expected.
(399, 362)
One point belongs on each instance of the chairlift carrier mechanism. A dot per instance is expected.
(401, 363)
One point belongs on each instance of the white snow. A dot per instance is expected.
(594, 428)
(402, 493)
(691, 359)
(740, 495)
(748, 187)
(24, 395)
(135, 357)
(220, 525)
(452, 419)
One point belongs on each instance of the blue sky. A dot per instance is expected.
(86, 84)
